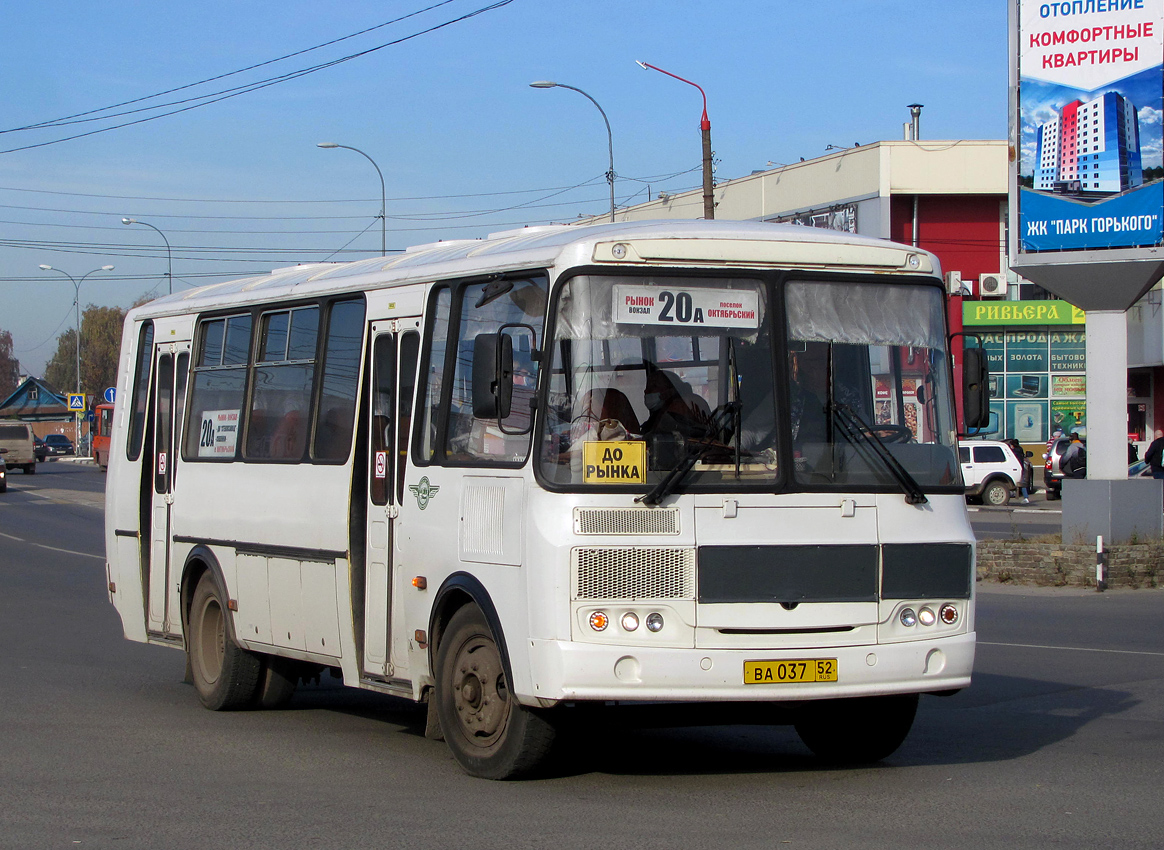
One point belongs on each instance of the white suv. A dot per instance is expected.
(990, 469)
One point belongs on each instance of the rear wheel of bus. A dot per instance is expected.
(859, 730)
(224, 675)
(490, 733)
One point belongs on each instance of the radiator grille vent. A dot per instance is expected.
(626, 521)
(634, 573)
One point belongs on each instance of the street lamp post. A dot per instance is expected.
(705, 132)
(547, 84)
(383, 199)
(77, 304)
(169, 256)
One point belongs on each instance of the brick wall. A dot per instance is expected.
(1061, 565)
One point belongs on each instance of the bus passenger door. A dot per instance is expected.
(172, 366)
(395, 346)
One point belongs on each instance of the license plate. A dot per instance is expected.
(788, 672)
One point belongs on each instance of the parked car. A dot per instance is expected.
(990, 469)
(1139, 469)
(1052, 470)
(3, 471)
(58, 444)
(17, 438)
(40, 450)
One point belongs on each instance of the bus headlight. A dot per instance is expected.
(630, 621)
(926, 616)
(655, 622)
(908, 617)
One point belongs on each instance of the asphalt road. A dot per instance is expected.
(1038, 518)
(1058, 743)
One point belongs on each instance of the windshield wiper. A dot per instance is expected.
(859, 433)
(721, 418)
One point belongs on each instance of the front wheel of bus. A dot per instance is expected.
(858, 730)
(490, 733)
(224, 675)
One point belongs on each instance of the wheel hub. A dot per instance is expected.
(479, 692)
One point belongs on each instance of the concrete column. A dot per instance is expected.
(1107, 504)
(1107, 395)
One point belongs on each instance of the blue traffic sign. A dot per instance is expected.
(76, 401)
(110, 394)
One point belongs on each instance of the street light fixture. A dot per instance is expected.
(705, 132)
(169, 256)
(547, 84)
(383, 199)
(77, 304)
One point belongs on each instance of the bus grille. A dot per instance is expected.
(633, 573)
(626, 521)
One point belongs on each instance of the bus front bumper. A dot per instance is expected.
(575, 671)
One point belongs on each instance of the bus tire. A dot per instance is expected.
(858, 730)
(277, 682)
(491, 735)
(225, 675)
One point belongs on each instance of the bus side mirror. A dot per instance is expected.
(492, 375)
(975, 388)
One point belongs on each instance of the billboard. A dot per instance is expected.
(1090, 103)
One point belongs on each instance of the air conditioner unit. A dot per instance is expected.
(992, 286)
(954, 283)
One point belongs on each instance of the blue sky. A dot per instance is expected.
(466, 147)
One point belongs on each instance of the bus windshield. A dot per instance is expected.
(738, 383)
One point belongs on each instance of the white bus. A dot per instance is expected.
(662, 462)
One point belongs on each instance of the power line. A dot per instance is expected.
(68, 119)
(658, 178)
(226, 94)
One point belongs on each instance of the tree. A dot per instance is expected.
(9, 366)
(100, 348)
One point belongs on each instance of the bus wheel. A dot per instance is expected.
(225, 676)
(277, 682)
(858, 730)
(491, 735)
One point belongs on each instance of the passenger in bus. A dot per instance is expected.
(669, 411)
(602, 414)
(334, 434)
(290, 437)
(811, 395)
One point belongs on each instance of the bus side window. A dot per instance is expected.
(409, 352)
(141, 383)
(217, 388)
(339, 378)
(428, 407)
(383, 363)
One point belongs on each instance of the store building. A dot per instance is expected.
(950, 198)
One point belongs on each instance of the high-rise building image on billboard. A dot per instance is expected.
(1091, 147)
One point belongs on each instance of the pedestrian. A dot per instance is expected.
(1028, 472)
(1155, 455)
(1073, 464)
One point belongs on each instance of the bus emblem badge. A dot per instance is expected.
(423, 492)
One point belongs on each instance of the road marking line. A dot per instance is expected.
(1071, 648)
(53, 548)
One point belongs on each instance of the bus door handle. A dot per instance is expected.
(392, 511)
(169, 498)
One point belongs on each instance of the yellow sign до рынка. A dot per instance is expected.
(614, 462)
